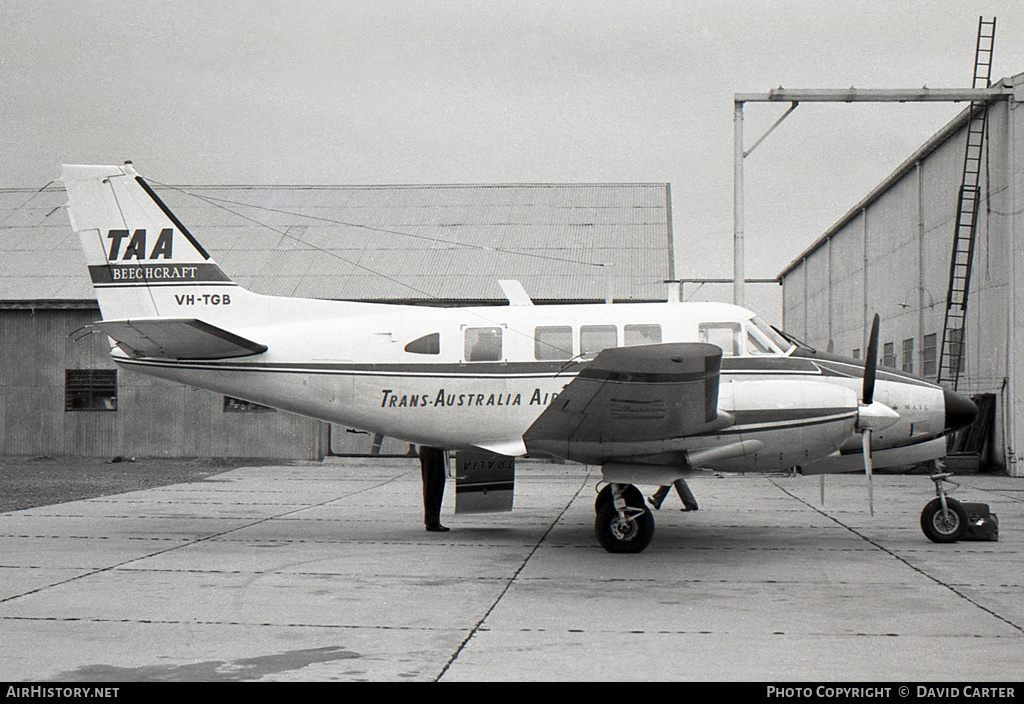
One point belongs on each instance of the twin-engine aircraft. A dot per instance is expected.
(649, 391)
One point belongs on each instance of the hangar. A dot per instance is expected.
(893, 254)
(447, 245)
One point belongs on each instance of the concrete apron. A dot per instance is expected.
(324, 572)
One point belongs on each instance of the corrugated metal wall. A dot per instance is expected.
(154, 418)
(892, 258)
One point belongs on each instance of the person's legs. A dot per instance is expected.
(432, 470)
(686, 496)
(658, 497)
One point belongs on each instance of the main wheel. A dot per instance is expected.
(632, 495)
(944, 526)
(616, 534)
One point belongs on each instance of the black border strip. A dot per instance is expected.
(173, 218)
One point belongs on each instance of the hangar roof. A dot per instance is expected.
(449, 243)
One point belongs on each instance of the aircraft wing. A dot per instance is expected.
(176, 338)
(631, 402)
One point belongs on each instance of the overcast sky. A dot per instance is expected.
(505, 91)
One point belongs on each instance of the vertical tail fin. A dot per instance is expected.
(142, 260)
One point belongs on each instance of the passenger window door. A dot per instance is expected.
(483, 344)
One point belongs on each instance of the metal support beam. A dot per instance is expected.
(827, 95)
(876, 95)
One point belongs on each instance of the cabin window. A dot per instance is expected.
(483, 344)
(552, 342)
(237, 405)
(725, 335)
(633, 335)
(90, 389)
(428, 344)
(594, 338)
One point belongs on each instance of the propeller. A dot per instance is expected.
(867, 399)
(872, 415)
(870, 362)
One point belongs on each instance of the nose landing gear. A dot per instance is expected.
(944, 519)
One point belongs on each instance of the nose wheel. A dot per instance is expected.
(623, 524)
(944, 519)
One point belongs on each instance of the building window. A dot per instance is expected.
(856, 353)
(483, 344)
(889, 355)
(928, 349)
(594, 338)
(237, 405)
(908, 356)
(552, 342)
(90, 389)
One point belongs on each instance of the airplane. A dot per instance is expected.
(650, 392)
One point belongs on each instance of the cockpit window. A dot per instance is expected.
(780, 341)
(757, 344)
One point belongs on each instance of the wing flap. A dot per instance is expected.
(177, 338)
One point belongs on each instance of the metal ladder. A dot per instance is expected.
(951, 350)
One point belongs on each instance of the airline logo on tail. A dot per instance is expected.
(136, 248)
(140, 261)
(131, 261)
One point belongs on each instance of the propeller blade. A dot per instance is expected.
(868, 467)
(870, 362)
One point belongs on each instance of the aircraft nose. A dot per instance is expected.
(960, 410)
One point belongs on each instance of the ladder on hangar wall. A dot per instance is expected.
(952, 348)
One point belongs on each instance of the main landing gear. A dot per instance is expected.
(944, 519)
(623, 523)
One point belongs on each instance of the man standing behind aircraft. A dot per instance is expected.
(432, 461)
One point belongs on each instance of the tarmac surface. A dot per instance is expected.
(322, 572)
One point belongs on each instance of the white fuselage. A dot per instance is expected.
(348, 363)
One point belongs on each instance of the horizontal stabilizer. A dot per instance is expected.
(176, 338)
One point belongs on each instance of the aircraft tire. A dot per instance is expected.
(632, 495)
(944, 526)
(631, 536)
